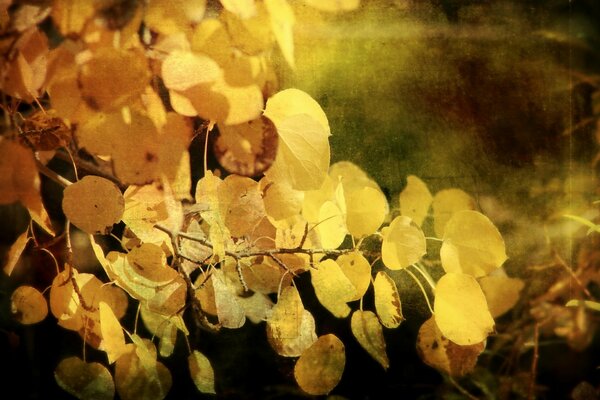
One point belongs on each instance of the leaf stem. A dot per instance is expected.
(418, 282)
(425, 275)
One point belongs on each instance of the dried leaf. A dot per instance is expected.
(387, 301)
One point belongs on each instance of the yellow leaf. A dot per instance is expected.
(403, 245)
(257, 307)
(139, 376)
(163, 327)
(367, 330)
(358, 270)
(366, 209)
(333, 288)
(93, 204)
(460, 309)
(415, 200)
(242, 8)
(440, 353)
(230, 312)
(472, 245)
(387, 301)
(445, 203)
(320, 367)
(28, 306)
(182, 70)
(331, 225)
(282, 24)
(202, 372)
(86, 381)
(207, 200)
(290, 328)
(170, 17)
(241, 204)
(501, 292)
(15, 251)
(113, 340)
(281, 201)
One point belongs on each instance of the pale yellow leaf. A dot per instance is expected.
(113, 340)
(387, 301)
(501, 292)
(182, 70)
(368, 332)
(472, 245)
(331, 225)
(403, 245)
(332, 287)
(282, 24)
(28, 306)
(242, 8)
(358, 270)
(415, 200)
(334, 5)
(230, 312)
(445, 203)
(460, 309)
(366, 209)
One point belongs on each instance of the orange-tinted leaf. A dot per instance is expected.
(28, 305)
(86, 381)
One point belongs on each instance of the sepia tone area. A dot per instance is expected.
(279, 199)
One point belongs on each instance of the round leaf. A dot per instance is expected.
(93, 204)
(472, 245)
(403, 245)
(445, 203)
(28, 305)
(320, 367)
(333, 288)
(415, 200)
(461, 311)
(86, 381)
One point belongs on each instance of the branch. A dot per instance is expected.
(62, 181)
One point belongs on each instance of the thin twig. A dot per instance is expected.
(461, 389)
(61, 180)
(563, 264)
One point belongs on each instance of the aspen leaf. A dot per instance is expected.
(139, 376)
(242, 8)
(93, 204)
(290, 328)
(320, 367)
(333, 288)
(387, 301)
(86, 381)
(15, 251)
(445, 203)
(202, 372)
(415, 200)
(472, 245)
(113, 77)
(501, 292)
(45, 131)
(331, 227)
(28, 306)
(460, 309)
(368, 332)
(290, 102)
(358, 270)
(257, 307)
(334, 5)
(303, 153)
(241, 204)
(366, 209)
(440, 353)
(182, 70)
(113, 340)
(281, 201)
(282, 24)
(230, 312)
(162, 326)
(403, 245)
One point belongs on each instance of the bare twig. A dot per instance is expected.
(534, 362)
(62, 181)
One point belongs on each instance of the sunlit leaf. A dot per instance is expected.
(366, 209)
(172, 16)
(202, 372)
(331, 225)
(415, 200)
(367, 330)
(281, 201)
(332, 287)
(93, 204)
(387, 301)
(28, 306)
(461, 311)
(320, 367)
(290, 328)
(403, 245)
(182, 70)
(113, 340)
(163, 327)
(445, 203)
(141, 377)
(472, 245)
(334, 5)
(358, 270)
(440, 353)
(242, 8)
(86, 381)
